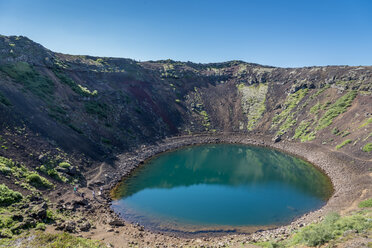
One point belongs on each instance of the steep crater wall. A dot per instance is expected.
(109, 105)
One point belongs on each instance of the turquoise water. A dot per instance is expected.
(222, 185)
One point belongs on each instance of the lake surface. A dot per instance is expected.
(220, 187)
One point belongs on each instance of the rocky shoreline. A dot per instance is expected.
(349, 177)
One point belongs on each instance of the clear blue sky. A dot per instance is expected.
(287, 33)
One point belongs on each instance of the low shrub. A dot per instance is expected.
(8, 196)
(64, 165)
(5, 233)
(38, 181)
(52, 172)
(6, 162)
(40, 226)
(6, 220)
(5, 170)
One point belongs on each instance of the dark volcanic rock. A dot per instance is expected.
(85, 227)
(116, 223)
(78, 203)
(70, 226)
(40, 211)
(277, 138)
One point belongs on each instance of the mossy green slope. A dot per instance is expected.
(253, 99)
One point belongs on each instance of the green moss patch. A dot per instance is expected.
(303, 132)
(77, 88)
(344, 133)
(33, 81)
(253, 102)
(197, 107)
(38, 181)
(367, 147)
(24, 215)
(23, 176)
(290, 103)
(8, 196)
(286, 125)
(320, 91)
(334, 110)
(368, 121)
(365, 203)
(345, 142)
(52, 172)
(316, 108)
(64, 165)
(287, 117)
(205, 121)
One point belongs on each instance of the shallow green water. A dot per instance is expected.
(221, 185)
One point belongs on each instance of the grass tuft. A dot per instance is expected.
(368, 121)
(303, 132)
(345, 142)
(366, 203)
(334, 110)
(332, 227)
(367, 147)
(291, 102)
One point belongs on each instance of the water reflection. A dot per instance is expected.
(226, 165)
(221, 185)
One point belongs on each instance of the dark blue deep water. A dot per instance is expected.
(222, 185)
